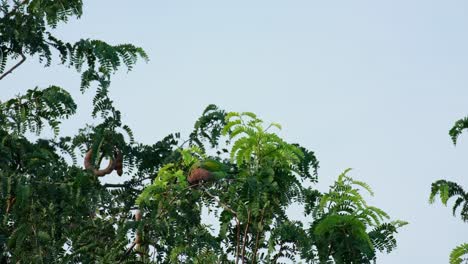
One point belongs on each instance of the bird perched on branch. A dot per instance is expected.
(206, 170)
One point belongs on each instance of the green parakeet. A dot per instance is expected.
(207, 170)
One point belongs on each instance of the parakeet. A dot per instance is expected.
(206, 170)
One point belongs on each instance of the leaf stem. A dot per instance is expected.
(23, 59)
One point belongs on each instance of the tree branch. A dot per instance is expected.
(219, 202)
(137, 242)
(237, 241)
(277, 256)
(245, 236)
(114, 185)
(23, 58)
(258, 237)
(227, 208)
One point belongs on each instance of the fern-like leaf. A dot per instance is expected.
(459, 254)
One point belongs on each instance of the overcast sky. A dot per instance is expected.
(372, 85)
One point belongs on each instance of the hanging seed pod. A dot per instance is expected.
(99, 173)
(138, 235)
(118, 162)
(10, 202)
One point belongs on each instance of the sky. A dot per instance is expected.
(371, 85)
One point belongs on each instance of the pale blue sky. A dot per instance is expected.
(372, 85)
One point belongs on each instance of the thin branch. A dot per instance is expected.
(330, 251)
(137, 242)
(219, 202)
(127, 252)
(114, 185)
(164, 210)
(23, 58)
(237, 241)
(277, 256)
(245, 236)
(235, 218)
(258, 237)
(183, 143)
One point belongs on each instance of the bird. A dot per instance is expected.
(206, 170)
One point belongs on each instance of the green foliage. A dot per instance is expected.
(250, 194)
(344, 238)
(208, 127)
(31, 110)
(254, 145)
(348, 230)
(26, 24)
(27, 30)
(173, 211)
(51, 211)
(262, 176)
(459, 254)
(55, 211)
(458, 128)
(447, 190)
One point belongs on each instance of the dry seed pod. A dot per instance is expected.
(87, 164)
(138, 235)
(10, 202)
(118, 162)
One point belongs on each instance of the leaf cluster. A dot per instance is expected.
(262, 177)
(347, 229)
(448, 189)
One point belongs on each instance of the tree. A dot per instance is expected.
(349, 230)
(249, 190)
(447, 190)
(55, 210)
(51, 211)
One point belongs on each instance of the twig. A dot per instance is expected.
(237, 241)
(23, 58)
(219, 202)
(127, 252)
(245, 236)
(137, 242)
(114, 185)
(163, 211)
(235, 218)
(258, 237)
(277, 256)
